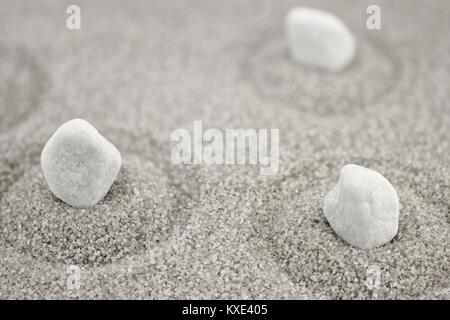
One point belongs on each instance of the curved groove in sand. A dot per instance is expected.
(312, 255)
(274, 76)
(23, 82)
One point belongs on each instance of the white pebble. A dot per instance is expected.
(79, 164)
(363, 207)
(319, 39)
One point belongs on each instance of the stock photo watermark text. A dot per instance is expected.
(228, 147)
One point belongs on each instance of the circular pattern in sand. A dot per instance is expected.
(135, 215)
(274, 75)
(414, 264)
(22, 83)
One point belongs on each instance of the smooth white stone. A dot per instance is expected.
(79, 164)
(363, 208)
(319, 39)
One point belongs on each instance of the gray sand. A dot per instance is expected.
(139, 71)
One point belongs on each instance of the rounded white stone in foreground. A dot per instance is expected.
(319, 38)
(363, 207)
(79, 164)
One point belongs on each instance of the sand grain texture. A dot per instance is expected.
(140, 71)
